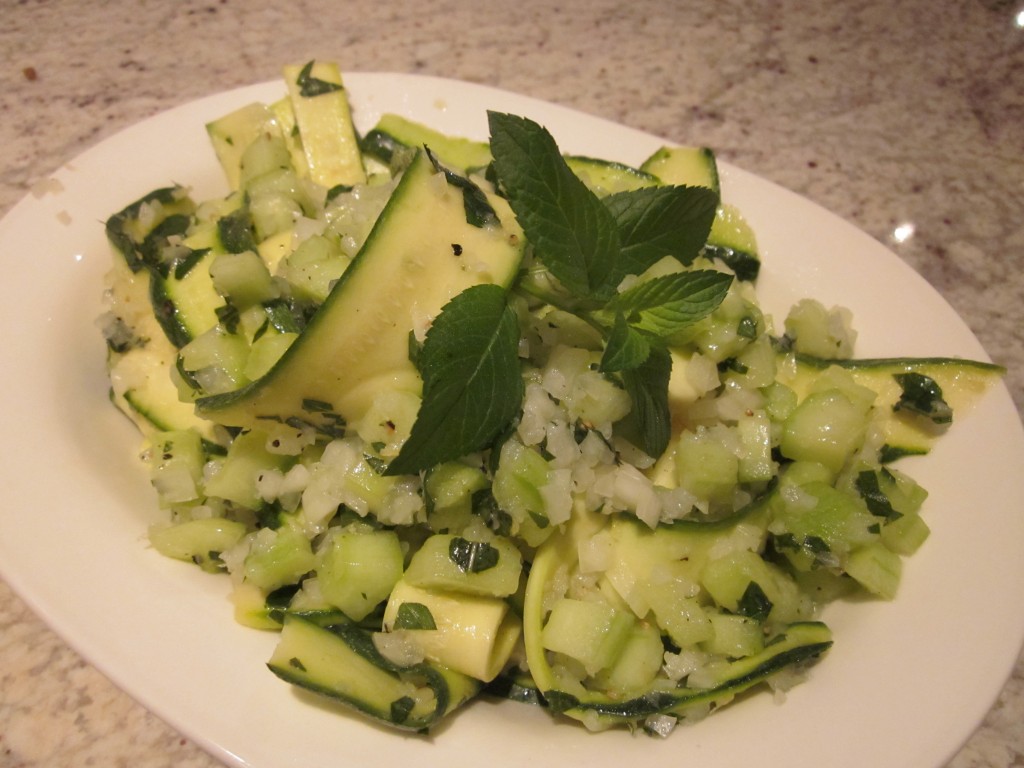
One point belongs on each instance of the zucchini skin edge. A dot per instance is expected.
(660, 702)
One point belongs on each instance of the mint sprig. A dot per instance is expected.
(590, 245)
(472, 385)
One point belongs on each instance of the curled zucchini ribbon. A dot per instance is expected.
(797, 644)
(342, 663)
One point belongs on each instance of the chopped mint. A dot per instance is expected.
(922, 395)
(472, 556)
(310, 86)
(414, 616)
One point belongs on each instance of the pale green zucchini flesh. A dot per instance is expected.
(962, 382)
(421, 253)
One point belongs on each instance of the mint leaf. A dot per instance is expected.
(472, 386)
(625, 348)
(655, 222)
(573, 233)
(649, 423)
(671, 302)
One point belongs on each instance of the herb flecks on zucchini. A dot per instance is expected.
(323, 121)
(357, 343)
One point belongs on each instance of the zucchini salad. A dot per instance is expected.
(482, 418)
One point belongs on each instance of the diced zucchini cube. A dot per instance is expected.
(707, 466)
(827, 427)
(755, 433)
(265, 154)
(196, 540)
(521, 473)
(638, 663)
(734, 636)
(678, 614)
(826, 522)
(176, 466)
(758, 362)
(358, 568)
(474, 635)
(821, 332)
(906, 534)
(278, 557)
(216, 360)
(456, 564)
(593, 633)
(876, 568)
(235, 480)
(266, 351)
(728, 580)
(313, 268)
(453, 484)
(243, 278)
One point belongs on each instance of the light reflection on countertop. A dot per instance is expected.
(903, 232)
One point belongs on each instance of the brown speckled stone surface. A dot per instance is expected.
(886, 113)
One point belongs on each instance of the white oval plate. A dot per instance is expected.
(905, 684)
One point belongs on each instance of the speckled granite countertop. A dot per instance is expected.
(887, 113)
